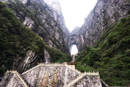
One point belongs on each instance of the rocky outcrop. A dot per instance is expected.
(40, 21)
(43, 20)
(105, 14)
(51, 75)
(74, 38)
(28, 61)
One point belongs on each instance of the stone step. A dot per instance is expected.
(64, 75)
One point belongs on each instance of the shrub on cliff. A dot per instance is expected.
(111, 57)
(16, 40)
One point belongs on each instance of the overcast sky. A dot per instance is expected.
(75, 11)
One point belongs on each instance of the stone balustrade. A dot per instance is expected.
(51, 75)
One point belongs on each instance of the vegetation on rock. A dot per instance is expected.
(111, 57)
(16, 40)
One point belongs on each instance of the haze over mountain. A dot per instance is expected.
(37, 31)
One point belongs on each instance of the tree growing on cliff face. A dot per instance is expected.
(111, 57)
(16, 40)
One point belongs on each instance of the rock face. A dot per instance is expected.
(28, 61)
(74, 38)
(51, 75)
(43, 20)
(105, 14)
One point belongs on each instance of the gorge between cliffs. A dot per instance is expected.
(34, 40)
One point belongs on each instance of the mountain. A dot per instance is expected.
(103, 42)
(43, 20)
(30, 35)
(105, 14)
(32, 32)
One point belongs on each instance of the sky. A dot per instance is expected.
(75, 11)
(73, 50)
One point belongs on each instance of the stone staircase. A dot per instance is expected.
(51, 75)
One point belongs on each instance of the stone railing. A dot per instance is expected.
(76, 80)
(13, 79)
(18, 75)
(106, 85)
(42, 64)
(66, 74)
(72, 67)
(81, 77)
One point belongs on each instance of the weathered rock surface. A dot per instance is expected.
(51, 75)
(105, 14)
(28, 61)
(43, 20)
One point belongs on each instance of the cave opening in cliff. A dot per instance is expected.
(73, 49)
(74, 11)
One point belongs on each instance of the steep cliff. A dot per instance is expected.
(105, 14)
(111, 57)
(103, 41)
(20, 47)
(43, 20)
(58, 16)
(31, 32)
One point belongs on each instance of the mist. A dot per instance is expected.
(74, 11)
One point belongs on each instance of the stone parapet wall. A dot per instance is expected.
(64, 73)
(86, 80)
(51, 75)
(13, 79)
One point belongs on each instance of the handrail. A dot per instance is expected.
(106, 85)
(80, 77)
(73, 69)
(56, 64)
(18, 75)
(42, 64)
(76, 80)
